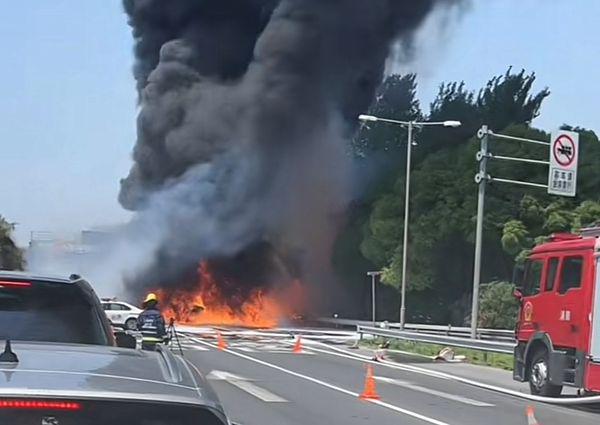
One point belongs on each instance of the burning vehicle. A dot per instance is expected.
(241, 162)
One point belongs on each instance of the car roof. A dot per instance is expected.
(104, 372)
(18, 275)
(106, 301)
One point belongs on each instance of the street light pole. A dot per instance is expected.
(409, 143)
(410, 126)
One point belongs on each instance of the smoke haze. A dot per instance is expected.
(246, 110)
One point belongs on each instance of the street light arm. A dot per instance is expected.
(371, 118)
(444, 123)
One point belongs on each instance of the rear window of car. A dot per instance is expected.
(49, 312)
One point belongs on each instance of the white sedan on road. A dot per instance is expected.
(121, 313)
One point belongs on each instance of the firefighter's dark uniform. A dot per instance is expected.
(151, 324)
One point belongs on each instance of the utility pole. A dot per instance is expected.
(562, 180)
(481, 179)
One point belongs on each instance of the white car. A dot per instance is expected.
(121, 313)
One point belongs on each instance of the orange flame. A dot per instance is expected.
(207, 305)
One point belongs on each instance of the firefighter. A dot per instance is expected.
(151, 323)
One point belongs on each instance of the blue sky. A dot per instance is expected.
(68, 105)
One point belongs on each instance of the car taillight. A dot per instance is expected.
(14, 284)
(39, 405)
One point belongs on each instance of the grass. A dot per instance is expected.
(498, 360)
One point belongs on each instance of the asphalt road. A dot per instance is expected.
(261, 381)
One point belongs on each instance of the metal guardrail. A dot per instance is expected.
(459, 342)
(458, 331)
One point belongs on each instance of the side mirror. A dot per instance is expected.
(124, 340)
(518, 294)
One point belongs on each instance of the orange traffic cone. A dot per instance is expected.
(221, 344)
(531, 420)
(370, 392)
(297, 346)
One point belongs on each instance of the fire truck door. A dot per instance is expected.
(568, 330)
(595, 343)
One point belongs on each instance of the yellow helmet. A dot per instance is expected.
(150, 297)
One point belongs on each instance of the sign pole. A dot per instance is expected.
(373, 277)
(562, 180)
(373, 298)
(481, 179)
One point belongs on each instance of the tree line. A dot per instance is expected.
(443, 198)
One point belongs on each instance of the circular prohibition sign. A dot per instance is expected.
(563, 150)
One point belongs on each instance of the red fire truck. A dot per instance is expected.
(558, 330)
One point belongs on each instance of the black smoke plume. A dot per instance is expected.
(246, 109)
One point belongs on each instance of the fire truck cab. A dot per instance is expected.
(558, 327)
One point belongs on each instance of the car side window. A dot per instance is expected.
(551, 274)
(105, 306)
(570, 276)
(533, 277)
(122, 307)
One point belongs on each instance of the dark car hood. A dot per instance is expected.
(91, 371)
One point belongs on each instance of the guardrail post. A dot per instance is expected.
(359, 331)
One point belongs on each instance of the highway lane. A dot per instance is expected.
(306, 402)
(261, 382)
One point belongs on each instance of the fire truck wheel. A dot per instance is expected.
(539, 383)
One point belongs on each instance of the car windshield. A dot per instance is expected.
(49, 312)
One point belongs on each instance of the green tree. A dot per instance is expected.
(498, 308)
(378, 149)
(11, 257)
(395, 99)
(443, 196)
(520, 235)
(507, 99)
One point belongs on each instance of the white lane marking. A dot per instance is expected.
(367, 359)
(456, 378)
(437, 393)
(269, 346)
(279, 333)
(244, 385)
(246, 349)
(330, 386)
(193, 347)
(334, 351)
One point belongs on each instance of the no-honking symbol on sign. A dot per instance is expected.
(564, 155)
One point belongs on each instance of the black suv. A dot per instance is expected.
(36, 308)
(61, 365)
